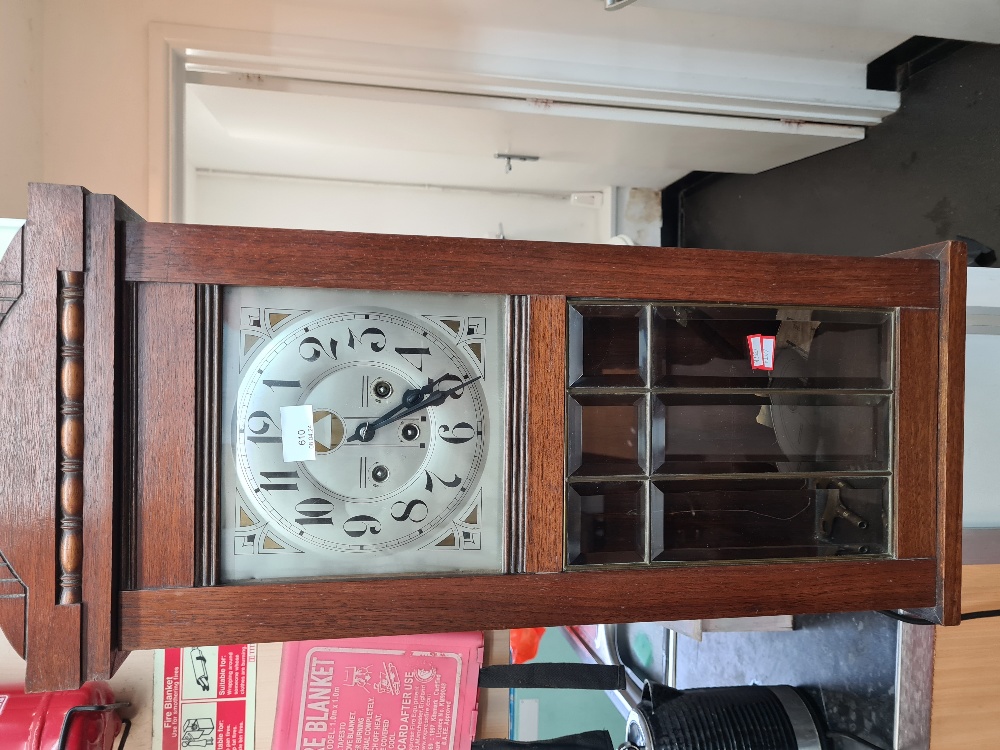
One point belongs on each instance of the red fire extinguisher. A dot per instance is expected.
(84, 719)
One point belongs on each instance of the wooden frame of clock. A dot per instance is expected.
(109, 385)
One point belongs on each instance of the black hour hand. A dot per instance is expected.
(414, 396)
(366, 430)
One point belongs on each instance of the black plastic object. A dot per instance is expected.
(553, 675)
(596, 740)
(727, 718)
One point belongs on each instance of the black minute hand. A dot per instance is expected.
(366, 430)
(413, 396)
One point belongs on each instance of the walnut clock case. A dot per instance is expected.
(223, 435)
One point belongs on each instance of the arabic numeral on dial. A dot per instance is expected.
(358, 526)
(415, 510)
(264, 423)
(374, 333)
(314, 511)
(310, 349)
(272, 384)
(429, 485)
(462, 432)
(414, 355)
(279, 486)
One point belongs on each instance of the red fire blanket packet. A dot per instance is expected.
(394, 693)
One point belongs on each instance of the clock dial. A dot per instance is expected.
(398, 423)
(364, 436)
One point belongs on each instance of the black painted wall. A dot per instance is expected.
(929, 172)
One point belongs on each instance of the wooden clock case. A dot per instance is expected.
(108, 384)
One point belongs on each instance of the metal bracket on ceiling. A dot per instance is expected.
(514, 157)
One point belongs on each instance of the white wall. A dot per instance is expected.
(20, 103)
(8, 228)
(244, 200)
(982, 405)
(982, 432)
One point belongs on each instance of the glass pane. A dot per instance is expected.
(723, 433)
(727, 519)
(607, 345)
(605, 522)
(706, 347)
(607, 435)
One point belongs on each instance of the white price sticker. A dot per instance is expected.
(768, 342)
(298, 441)
(756, 351)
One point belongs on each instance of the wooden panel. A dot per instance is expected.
(99, 366)
(276, 257)
(517, 430)
(965, 710)
(546, 430)
(165, 428)
(916, 434)
(951, 434)
(53, 242)
(208, 462)
(951, 259)
(344, 609)
(982, 590)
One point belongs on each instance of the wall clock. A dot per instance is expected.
(237, 435)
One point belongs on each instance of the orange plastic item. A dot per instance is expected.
(524, 644)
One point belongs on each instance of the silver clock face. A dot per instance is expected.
(364, 433)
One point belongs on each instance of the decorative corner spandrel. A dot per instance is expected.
(13, 600)
(11, 273)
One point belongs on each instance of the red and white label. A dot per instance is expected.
(761, 351)
(768, 352)
(205, 698)
(3, 703)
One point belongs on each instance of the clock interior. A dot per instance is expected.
(680, 449)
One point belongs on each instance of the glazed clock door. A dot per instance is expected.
(362, 433)
(720, 433)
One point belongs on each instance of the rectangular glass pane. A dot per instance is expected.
(779, 517)
(739, 433)
(706, 347)
(605, 522)
(607, 346)
(607, 435)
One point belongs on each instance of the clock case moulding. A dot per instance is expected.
(108, 536)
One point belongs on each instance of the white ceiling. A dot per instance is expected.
(808, 56)
(451, 140)
(863, 29)
(802, 28)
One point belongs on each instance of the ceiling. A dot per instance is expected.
(352, 133)
(289, 122)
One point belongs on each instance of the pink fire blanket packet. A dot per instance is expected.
(393, 693)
